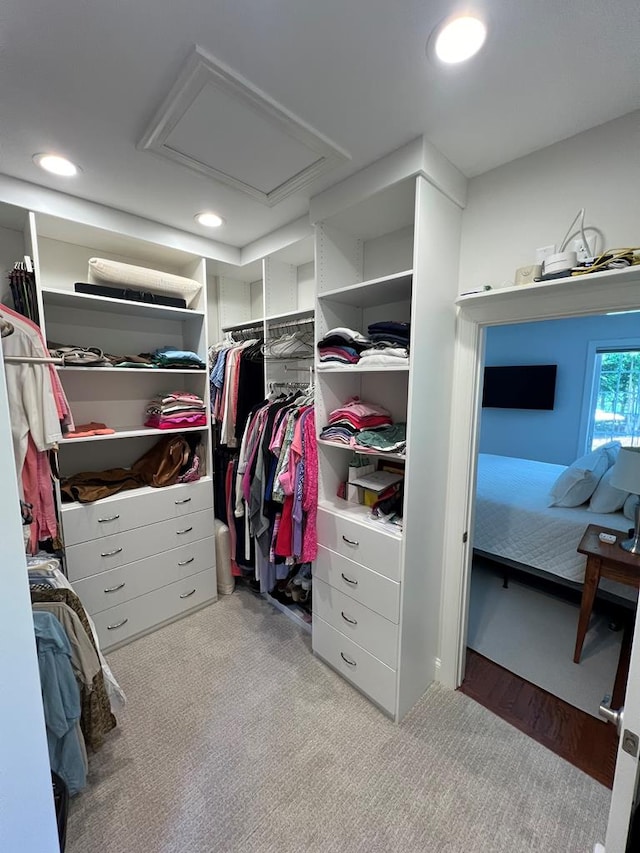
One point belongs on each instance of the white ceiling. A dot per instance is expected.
(85, 77)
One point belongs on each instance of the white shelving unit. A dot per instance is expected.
(386, 257)
(118, 398)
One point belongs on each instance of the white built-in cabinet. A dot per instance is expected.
(376, 592)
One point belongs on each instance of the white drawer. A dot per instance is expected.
(369, 630)
(116, 586)
(118, 549)
(363, 585)
(362, 669)
(84, 522)
(138, 615)
(360, 542)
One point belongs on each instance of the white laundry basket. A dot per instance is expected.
(226, 583)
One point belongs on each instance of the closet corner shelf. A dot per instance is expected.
(381, 454)
(129, 371)
(358, 513)
(143, 490)
(245, 324)
(290, 315)
(354, 369)
(130, 432)
(105, 304)
(376, 291)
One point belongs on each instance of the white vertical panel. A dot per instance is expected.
(27, 817)
(280, 287)
(388, 254)
(234, 301)
(32, 249)
(435, 284)
(339, 259)
(256, 299)
(306, 284)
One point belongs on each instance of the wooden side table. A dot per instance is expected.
(603, 561)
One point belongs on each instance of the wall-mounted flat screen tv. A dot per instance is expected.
(527, 386)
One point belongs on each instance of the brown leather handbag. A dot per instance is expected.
(161, 464)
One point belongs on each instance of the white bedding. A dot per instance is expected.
(514, 521)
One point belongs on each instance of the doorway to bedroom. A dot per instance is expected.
(555, 392)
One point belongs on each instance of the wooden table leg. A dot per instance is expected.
(591, 580)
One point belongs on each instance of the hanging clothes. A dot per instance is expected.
(236, 381)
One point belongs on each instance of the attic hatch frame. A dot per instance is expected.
(200, 70)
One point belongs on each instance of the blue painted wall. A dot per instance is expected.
(547, 436)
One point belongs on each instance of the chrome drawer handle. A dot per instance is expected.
(111, 518)
(348, 580)
(115, 588)
(350, 541)
(186, 562)
(350, 621)
(185, 501)
(186, 530)
(117, 625)
(347, 660)
(111, 553)
(187, 594)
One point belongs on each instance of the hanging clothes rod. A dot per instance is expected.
(305, 321)
(31, 359)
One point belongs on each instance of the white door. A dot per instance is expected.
(625, 784)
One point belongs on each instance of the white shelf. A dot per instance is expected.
(377, 291)
(553, 296)
(381, 454)
(246, 324)
(358, 513)
(105, 304)
(143, 490)
(129, 370)
(290, 315)
(130, 432)
(351, 368)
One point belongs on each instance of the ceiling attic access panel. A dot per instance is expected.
(219, 124)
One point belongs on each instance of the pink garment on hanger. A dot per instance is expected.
(38, 491)
(310, 491)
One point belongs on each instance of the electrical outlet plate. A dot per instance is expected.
(544, 252)
(583, 252)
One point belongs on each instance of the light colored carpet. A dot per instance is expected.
(237, 739)
(533, 633)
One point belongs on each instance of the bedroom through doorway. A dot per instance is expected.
(555, 392)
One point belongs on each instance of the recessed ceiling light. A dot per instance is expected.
(56, 164)
(209, 219)
(459, 39)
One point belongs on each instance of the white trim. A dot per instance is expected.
(282, 237)
(202, 69)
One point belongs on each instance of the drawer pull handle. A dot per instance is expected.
(347, 660)
(110, 518)
(353, 542)
(350, 621)
(186, 530)
(117, 625)
(348, 580)
(187, 594)
(115, 588)
(111, 553)
(186, 562)
(183, 501)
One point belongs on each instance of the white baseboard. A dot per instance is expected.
(438, 667)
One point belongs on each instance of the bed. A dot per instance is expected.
(515, 527)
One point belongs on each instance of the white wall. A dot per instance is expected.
(530, 202)
(548, 436)
(27, 819)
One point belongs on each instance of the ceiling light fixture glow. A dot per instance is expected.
(209, 219)
(459, 39)
(56, 165)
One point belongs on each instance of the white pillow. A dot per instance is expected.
(629, 507)
(576, 485)
(102, 270)
(606, 497)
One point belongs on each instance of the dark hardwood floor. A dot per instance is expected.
(574, 735)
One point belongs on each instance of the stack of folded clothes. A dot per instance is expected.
(351, 418)
(389, 439)
(176, 410)
(389, 344)
(342, 346)
(172, 357)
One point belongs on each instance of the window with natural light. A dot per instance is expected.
(615, 398)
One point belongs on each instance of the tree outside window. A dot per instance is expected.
(615, 407)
